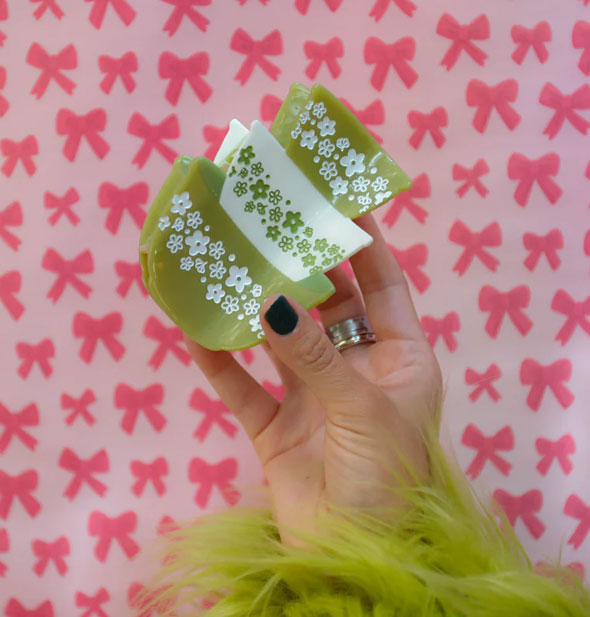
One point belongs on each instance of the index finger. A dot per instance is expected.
(384, 287)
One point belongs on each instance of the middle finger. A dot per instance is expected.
(345, 303)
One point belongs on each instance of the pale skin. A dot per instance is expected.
(342, 410)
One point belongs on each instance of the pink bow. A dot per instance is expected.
(85, 125)
(410, 261)
(374, 113)
(214, 137)
(31, 354)
(83, 470)
(123, 9)
(420, 189)
(22, 151)
(540, 377)
(201, 472)
(581, 40)
(67, 271)
(547, 244)
(486, 447)
(168, 339)
(471, 177)
(177, 70)
(4, 105)
(432, 122)
(270, 45)
(62, 205)
(184, 8)
(498, 304)
(92, 603)
(319, 53)
(380, 7)
(303, 5)
(528, 171)
(444, 327)
(10, 284)
(92, 330)
(269, 107)
(152, 135)
(487, 98)
(133, 401)
(550, 450)
(15, 609)
(118, 67)
(576, 508)
(525, 37)
(117, 201)
(128, 272)
(3, 10)
(79, 406)
(11, 216)
(397, 55)
(14, 423)
(474, 242)
(51, 67)
(574, 311)
(483, 381)
(47, 4)
(54, 551)
(4, 546)
(523, 506)
(564, 106)
(116, 528)
(462, 37)
(214, 411)
(151, 472)
(19, 487)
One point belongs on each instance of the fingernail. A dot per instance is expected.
(281, 317)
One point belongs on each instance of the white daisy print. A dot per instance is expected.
(354, 162)
(319, 109)
(186, 263)
(238, 278)
(328, 170)
(194, 219)
(178, 224)
(308, 139)
(164, 222)
(215, 293)
(339, 186)
(251, 307)
(379, 184)
(181, 203)
(217, 270)
(198, 243)
(174, 243)
(360, 184)
(326, 147)
(327, 126)
(216, 249)
(230, 305)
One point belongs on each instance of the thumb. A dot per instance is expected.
(304, 347)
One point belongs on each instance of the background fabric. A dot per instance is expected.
(106, 428)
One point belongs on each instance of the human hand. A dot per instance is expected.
(343, 414)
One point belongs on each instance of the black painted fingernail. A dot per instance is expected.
(281, 317)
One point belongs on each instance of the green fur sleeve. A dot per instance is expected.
(444, 556)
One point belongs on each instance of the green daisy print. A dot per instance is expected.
(246, 155)
(293, 221)
(259, 189)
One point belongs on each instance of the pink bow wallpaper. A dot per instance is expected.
(106, 427)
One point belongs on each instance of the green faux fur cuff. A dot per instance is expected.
(443, 556)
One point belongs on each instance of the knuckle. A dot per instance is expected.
(315, 350)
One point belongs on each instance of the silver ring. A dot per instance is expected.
(352, 331)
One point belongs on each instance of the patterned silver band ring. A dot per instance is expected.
(352, 331)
